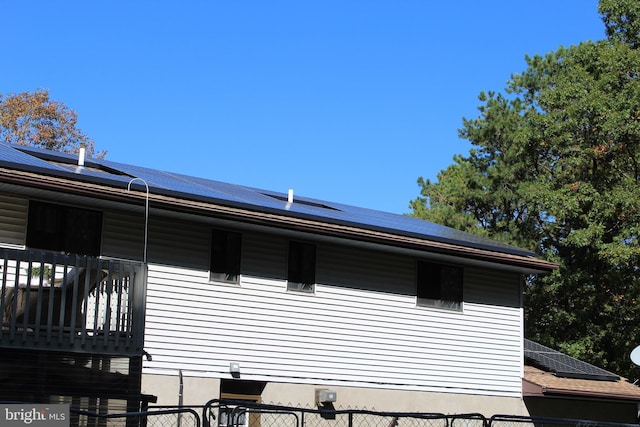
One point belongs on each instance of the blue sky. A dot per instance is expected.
(346, 101)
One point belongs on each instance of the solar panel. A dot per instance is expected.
(563, 365)
(10, 155)
(189, 187)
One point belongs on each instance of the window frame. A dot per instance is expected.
(228, 268)
(301, 267)
(431, 285)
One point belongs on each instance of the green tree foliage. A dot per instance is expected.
(34, 119)
(554, 168)
(622, 20)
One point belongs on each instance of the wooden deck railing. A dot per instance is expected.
(53, 301)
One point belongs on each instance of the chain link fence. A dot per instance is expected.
(229, 413)
(225, 413)
(169, 417)
(515, 421)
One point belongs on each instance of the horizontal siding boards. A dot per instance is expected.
(361, 326)
(258, 320)
(369, 270)
(181, 243)
(492, 288)
(264, 256)
(13, 220)
(123, 235)
(494, 296)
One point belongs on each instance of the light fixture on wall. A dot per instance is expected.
(324, 400)
(234, 369)
(325, 396)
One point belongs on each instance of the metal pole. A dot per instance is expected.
(146, 216)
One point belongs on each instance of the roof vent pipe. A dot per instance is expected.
(290, 196)
(81, 157)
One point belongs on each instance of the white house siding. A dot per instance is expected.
(170, 241)
(13, 220)
(361, 327)
(122, 235)
(13, 233)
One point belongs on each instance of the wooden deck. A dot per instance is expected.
(53, 301)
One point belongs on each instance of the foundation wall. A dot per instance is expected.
(197, 391)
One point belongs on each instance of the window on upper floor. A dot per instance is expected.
(301, 274)
(439, 285)
(226, 248)
(64, 228)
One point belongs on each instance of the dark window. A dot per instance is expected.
(439, 285)
(225, 256)
(64, 228)
(302, 267)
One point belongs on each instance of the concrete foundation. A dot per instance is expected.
(198, 391)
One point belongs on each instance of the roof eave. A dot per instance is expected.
(531, 388)
(547, 391)
(112, 190)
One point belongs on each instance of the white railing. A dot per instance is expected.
(54, 301)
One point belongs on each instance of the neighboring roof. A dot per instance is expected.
(104, 172)
(537, 382)
(563, 365)
(548, 372)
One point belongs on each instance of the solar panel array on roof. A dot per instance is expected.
(194, 188)
(7, 154)
(563, 365)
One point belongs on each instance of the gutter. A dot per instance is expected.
(586, 393)
(531, 389)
